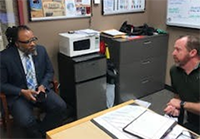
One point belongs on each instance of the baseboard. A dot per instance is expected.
(168, 87)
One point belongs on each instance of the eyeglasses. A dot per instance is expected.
(186, 135)
(29, 41)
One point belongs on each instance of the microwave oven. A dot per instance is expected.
(79, 42)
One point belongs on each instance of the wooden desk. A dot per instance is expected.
(85, 129)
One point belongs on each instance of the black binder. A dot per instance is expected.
(146, 127)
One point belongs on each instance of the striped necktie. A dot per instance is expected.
(31, 82)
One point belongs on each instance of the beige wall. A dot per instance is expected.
(47, 31)
(157, 15)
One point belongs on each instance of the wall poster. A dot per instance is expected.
(58, 9)
(122, 6)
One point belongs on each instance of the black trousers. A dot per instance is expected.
(54, 107)
(192, 127)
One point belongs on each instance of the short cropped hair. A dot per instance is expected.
(193, 42)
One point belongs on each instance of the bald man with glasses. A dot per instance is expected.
(26, 71)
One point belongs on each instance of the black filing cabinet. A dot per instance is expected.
(141, 65)
(83, 82)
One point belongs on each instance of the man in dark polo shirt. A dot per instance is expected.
(185, 80)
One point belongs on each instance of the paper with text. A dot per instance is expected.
(114, 121)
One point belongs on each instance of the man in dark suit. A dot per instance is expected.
(22, 83)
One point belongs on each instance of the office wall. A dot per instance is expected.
(154, 15)
(47, 31)
(157, 18)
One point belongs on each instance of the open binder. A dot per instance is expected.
(133, 122)
(150, 125)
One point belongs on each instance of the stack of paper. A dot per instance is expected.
(114, 33)
(113, 122)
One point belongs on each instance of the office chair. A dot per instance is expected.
(5, 114)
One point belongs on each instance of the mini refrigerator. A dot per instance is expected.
(83, 82)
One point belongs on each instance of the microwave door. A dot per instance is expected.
(81, 45)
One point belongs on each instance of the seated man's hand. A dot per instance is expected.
(172, 111)
(29, 94)
(41, 88)
(175, 102)
(176, 112)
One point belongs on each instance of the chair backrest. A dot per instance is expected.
(5, 114)
(55, 86)
(4, 103)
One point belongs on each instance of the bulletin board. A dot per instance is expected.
(183, 13)
(58, 9)
(122, 6)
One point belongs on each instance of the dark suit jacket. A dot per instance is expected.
(13, 77)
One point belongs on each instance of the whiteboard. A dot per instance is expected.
(183, 13)
(122, 6)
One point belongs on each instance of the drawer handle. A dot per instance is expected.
(145, 81)
(146, 62)
(147, 42)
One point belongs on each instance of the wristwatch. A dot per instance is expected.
(182, 103)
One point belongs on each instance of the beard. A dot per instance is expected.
(181, 62)
(27, 51)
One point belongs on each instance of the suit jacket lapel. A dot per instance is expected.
(17, 59)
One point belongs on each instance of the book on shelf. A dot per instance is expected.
(114, 33)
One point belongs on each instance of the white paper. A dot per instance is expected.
(96, 1)
(175, 132)
(109, 5)
(89, 32)
(113, 32)
(70, 8)
(115, 121)
(170, 117)
(143, 103)
(86, 2)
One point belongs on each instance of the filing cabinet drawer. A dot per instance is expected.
(142, 48)
(140, 87)
(90, 69)
(143, 67)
